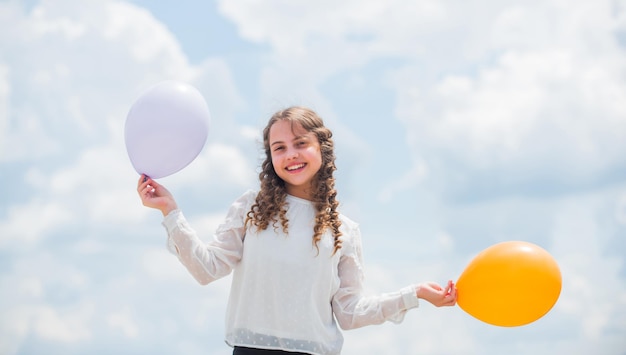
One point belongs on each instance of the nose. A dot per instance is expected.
(292, 154)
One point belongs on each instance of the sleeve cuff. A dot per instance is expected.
(409, 296)
(171, 220)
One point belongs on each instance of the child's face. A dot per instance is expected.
(296, 157)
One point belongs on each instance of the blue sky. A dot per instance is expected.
(458, 125)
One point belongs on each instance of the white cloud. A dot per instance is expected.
(620, 209)
(96, 189)
(55, 104)
(479, 87)
(218, 164)
(67, 326)
(4, 104)
(215, 80)
(581, 246)
(27, 225)
(534, 115)
(162, 266)
(407, 181)
(123, 321)
(379, 24)
(32, 280)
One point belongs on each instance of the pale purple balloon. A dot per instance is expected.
(166, 128)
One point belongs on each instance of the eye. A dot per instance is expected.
(278, 148)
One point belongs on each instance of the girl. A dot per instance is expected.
(296, 261)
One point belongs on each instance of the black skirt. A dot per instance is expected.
(239, 350)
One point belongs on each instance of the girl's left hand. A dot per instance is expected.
(437, 295)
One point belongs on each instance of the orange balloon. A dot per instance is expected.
(509, 284)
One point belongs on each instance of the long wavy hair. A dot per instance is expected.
(270, 205)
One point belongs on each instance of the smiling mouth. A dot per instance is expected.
(295, 167)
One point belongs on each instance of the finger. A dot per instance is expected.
(143, 188)
(143, 180)
(447, 289)
(435, 286)
(144, 193)
(146, 188)
(450, 301)
(146, 181)
(451, 289)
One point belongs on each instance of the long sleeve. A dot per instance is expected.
(351, 307)
(207, 262)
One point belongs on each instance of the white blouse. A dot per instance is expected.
(285, 294)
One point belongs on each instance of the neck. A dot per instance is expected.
(301, 192)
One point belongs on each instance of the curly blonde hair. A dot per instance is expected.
(270, 205)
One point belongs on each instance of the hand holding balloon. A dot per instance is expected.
(155, 195)
(435, 294)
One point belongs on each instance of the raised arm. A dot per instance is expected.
(210, 261)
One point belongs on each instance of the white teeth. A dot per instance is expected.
(295, 167)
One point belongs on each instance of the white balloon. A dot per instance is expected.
(166, 128)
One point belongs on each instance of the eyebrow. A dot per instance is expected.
(277, 142)
(302, 136)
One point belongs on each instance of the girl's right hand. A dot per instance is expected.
(155, 195)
